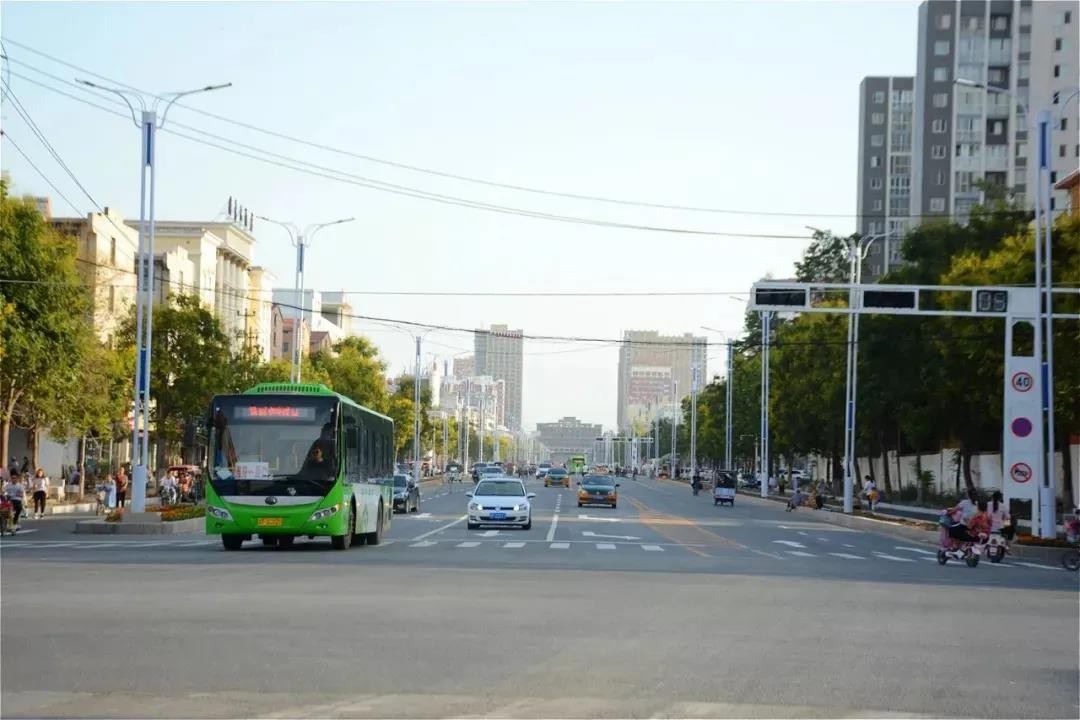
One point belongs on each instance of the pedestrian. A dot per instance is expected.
(121, 488)
(40, 488)
(16, 493)
(25, 470)
(870, 491)
(999, 514)
(13, 467)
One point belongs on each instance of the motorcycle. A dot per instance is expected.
(950, 548)
(1070, 560)
(997, 547)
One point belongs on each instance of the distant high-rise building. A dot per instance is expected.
(650, 364)
(886, 106)
(498, 353)
(464, 367)
(566, 437)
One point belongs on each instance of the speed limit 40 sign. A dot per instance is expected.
(1022, 381)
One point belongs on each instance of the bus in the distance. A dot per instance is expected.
(575, 464)
(291, 460)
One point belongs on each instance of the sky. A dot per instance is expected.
(749, 107)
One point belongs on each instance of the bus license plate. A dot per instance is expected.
(270, 522)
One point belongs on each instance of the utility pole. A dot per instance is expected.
(729, 395)
(694, 370)
(148, 124)
(766, 334)
(468, 419)
(674, 425)
(416, 416)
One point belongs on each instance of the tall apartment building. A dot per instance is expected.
(886, 110)
(651, 363)
(498, 353)
(966, 137)
(567, 436)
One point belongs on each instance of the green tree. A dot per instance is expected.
(43, 306)
(190, 363)
(355, 370)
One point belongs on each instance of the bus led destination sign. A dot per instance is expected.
(274, 412)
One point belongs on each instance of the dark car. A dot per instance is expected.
(406, 494)
(598, 490)
(557, 476)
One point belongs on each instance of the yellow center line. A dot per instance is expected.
(655, 519)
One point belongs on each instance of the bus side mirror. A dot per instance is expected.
(352, 438)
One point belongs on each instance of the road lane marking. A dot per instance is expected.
(447, 526)
(588, 533)
(848, 546)
(469, 544)
(1037, 565)
(848, 556)
(488, 533)
(790, 543)
(559, 546)
(894, 558)
(605, 546)
(425, 543)
(800, 553)
(514, 545)
(921, 551)
(554, 519)
(421, 516)
(598, 519)
(652, 548)
(822, 539)
(801, 532)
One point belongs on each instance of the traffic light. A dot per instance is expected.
(786, 297)
(889, 299)
(991, 301)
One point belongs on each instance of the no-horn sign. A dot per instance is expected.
(1020, 472)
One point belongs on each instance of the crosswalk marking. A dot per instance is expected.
(652, 548)
(848, 556)
(467, 544)
(894, 558)
(800, 553)
(514, 545)
(915, 550)
(605, 546)
(559, 546)
(424, 543)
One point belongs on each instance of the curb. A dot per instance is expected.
(70, 508)
(178, 527)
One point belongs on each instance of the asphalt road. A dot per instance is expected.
(664, 606)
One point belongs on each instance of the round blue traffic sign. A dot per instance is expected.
(1021, 427)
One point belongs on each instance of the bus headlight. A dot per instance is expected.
(324, 513)
(219, 513)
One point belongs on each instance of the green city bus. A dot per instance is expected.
(291, 460)
(575, 465)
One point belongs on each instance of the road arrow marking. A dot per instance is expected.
(598, 519)
(609, 537)
(790, 543)
(800, 553)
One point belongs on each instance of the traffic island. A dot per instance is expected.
(170, 521)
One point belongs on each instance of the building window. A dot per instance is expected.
(1057, 44)
(877, 140)
(1023, 70)
(1068, 17)
(879, 97)
(1025, 43)
(999, 22)
(974, 22)
(941, 74)
(285, 347)
(877, 118)
(997, 76)
(1021, 149)
(941, 100)
(997, 127)
(875, 161)
(941, 47)
(1061, 151)
(1053, 176)
(944, 22)
(112, 298)
(939, 125)
(937, 152)
(937, 204)
(1064, 123)
(1055, 97)
(877, 205)
(1053, 204)
(1057, 71)
(875, 183)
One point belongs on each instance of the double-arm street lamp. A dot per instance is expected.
(148, 123)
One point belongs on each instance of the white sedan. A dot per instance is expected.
(500, 501)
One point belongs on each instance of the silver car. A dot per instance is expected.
(500, 501)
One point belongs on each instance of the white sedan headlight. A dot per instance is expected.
(521, 506)
(474, 506)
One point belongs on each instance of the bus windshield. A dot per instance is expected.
(266, 445)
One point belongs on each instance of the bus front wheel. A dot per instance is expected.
(344, 542)
(232, 542)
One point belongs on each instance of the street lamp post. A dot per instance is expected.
(674, 424)
(148, 123)
(694, 372)
(300, 240)
(766, 321)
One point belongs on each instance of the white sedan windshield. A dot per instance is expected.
(509, 488)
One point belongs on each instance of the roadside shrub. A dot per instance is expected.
(115, 515)
(183, 512)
